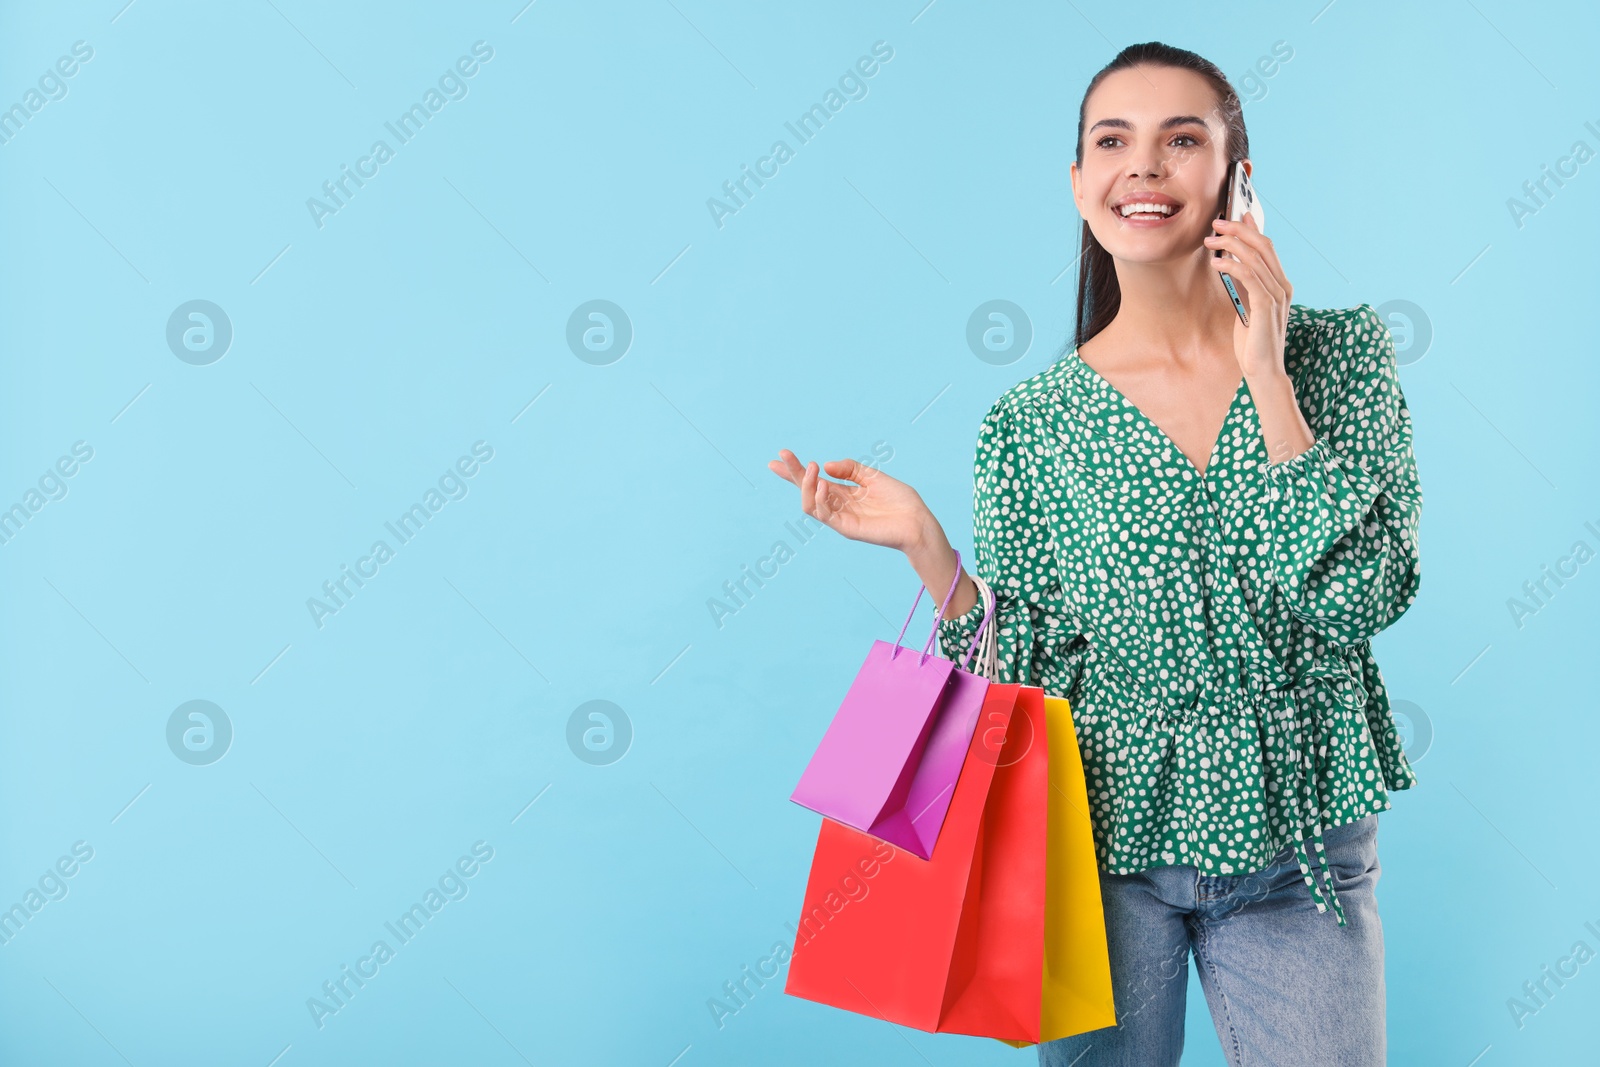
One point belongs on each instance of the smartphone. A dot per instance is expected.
(1242, 200)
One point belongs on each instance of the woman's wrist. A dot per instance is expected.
(1284, 430)
(934, 559)
(930, 550)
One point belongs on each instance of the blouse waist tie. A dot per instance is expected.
(1313, 762)
(1349, 691)
(1277, 690)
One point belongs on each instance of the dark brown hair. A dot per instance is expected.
(1099, 295)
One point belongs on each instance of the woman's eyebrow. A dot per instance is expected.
(1166, 124)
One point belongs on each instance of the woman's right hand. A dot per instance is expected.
(878, 509)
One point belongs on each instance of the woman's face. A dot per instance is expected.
(1152, 134)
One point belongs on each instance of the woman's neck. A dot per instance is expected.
(1181, 313)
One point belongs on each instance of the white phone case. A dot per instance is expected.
(1242, 200)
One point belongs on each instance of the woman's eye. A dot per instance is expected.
(1190, 138)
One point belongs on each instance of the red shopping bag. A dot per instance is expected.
(1001, 932)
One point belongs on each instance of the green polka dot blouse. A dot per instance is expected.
(1211, 631)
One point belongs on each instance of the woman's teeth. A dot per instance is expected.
(1145, 211)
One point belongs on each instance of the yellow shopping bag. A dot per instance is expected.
(1077, 967)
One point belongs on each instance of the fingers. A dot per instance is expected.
(787, 466)
(1252, 269)
(1235, 243)
(850, 470)
(1245, 230)
(820, 498)
(1244, 240)
(1249, 275)
(811, 488)
(1255, 274)
(817, 493)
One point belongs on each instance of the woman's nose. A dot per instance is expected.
(1152, 166)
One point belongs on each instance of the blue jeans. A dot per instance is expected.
(1285, 983)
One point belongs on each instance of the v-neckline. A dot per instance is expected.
(1122, 398)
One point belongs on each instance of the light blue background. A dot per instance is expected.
(826, 316)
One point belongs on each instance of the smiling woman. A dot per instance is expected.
(1194, 528)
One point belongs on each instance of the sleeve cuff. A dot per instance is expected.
(955, 635)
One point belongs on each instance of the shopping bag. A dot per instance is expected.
(1001, 933)
(887, 952)
(889, 760)
(1077, 965)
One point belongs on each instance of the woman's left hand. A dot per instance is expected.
(1265, 291)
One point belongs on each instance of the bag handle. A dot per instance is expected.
(934, 632)
(937, 616)
(988, 665)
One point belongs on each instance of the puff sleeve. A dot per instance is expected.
(1016, 556)
(1342, 516)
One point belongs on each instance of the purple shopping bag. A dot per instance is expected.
(888, 764)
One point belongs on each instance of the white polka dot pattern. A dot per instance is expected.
(1210, 630)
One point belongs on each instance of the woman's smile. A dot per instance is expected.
(1145, 210)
